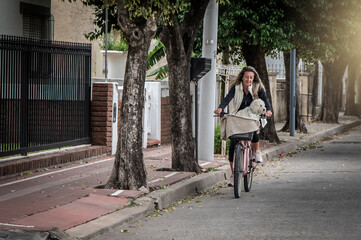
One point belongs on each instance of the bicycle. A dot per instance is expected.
(244, 162)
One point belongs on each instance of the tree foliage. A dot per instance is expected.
(321, 30)
(137, 10)
(249, 30)
(252, 22)
(338, 26)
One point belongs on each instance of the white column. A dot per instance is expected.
(115, 118)
(208, 85)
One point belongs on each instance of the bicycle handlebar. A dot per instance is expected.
(262, 116)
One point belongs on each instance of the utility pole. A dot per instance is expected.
(106, 42)
(208, 84)
(292, 92)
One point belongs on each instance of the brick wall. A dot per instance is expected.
(165, 121)
(101, 115)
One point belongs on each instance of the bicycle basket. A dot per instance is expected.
(233, 125)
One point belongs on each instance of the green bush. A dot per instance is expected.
(218, 140)
(114, 43)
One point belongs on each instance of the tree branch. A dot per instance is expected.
(171, 37)
(192, 20)
(123, 18)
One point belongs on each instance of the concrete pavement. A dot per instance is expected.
(92, 210)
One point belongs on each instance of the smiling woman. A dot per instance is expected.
(247, 87)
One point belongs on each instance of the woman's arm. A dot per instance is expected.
(228, 98)
(262, 95)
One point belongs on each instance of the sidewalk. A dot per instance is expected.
(72, 201)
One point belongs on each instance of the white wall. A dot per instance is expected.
(71, 22)
(11, 22)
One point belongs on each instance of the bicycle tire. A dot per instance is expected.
(248, 178)
(238, 171)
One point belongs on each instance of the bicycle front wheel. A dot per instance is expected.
(238, 170)
(248, 178)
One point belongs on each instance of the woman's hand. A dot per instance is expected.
(218, 111)
(268, 113)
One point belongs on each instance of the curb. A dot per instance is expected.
(110, 221)
(161, 199)
(156, 200)
(189, 187)
(313, 138)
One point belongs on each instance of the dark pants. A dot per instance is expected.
(233, 144)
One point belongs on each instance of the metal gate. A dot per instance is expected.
(44, 94)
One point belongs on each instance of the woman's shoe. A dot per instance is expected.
(231, 181)
(258, 158)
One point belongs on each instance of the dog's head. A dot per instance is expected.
(258, 107)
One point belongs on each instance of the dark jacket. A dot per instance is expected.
(247, 99)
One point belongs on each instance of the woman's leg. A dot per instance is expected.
(255, 141)
(232, 145)
(231, 165)
(255, 144)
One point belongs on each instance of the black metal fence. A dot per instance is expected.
(44, 94)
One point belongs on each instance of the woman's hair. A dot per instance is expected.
(257, 82)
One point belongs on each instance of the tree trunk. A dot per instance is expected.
(129, 169)
(299, 124)
(286, 60)
(183, 148)
(332, 90)
(358, 89)
(353, 75)
(183, 158)
(315, 91)
(254, 56)
(178, 40)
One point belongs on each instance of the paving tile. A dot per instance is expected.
(75, 213)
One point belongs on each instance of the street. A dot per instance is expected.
(312, 194)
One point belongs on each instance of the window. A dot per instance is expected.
(36, 21)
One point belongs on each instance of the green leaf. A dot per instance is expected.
(155, 54)
(160, 73)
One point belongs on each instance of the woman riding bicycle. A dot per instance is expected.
(245, 88)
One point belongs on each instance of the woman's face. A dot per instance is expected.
(247, 79)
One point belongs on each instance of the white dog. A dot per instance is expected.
(256, 108)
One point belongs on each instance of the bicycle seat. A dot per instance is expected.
(242, 136)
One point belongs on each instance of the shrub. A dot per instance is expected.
(218, 140)
(114, 43)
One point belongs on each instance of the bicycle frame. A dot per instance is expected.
(247, 152)
(242, 163)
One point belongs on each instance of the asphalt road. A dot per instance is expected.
(312, 194)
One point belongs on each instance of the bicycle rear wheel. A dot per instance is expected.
(238, 171)
(248, 178)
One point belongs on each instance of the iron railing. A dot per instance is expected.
(44, 94)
